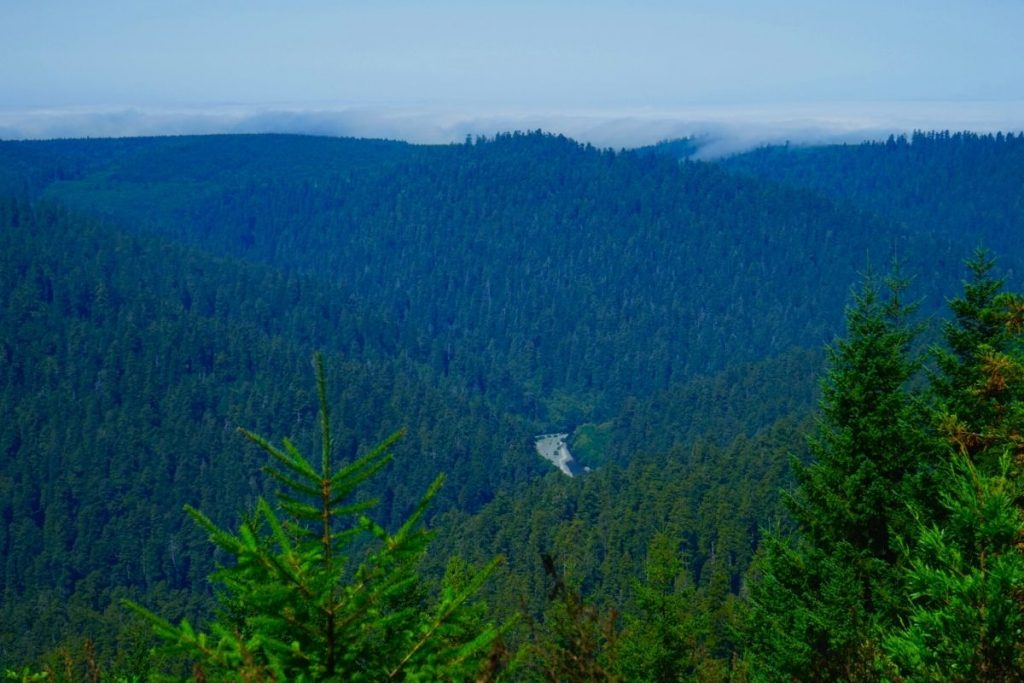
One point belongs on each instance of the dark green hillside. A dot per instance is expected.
(529, 264)
(712, 500)
(703, 462)
(743, 400)
(962, 185)
(189, 159)
(126, 366)
(156, 293)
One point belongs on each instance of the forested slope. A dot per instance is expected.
(127, 365)
(710, 493)
(962, 185)
(526, 261)
(157, 293)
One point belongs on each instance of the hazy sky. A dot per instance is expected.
(440, 67)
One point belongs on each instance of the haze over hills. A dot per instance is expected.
(158, 292)
(718, 130)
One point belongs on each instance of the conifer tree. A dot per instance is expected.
(966, 569)
(976, 384)
(966, 578)
(820, 606)
(296, 605)
(663, 636)
(576, 642)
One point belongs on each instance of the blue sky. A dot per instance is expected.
(430, 70)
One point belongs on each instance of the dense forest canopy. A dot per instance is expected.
(157, 293)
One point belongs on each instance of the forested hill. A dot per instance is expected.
(156, 293)
(31, 166)
(527, 260)
(962, 184)
(125, 366)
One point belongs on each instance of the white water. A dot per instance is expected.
(552, 447)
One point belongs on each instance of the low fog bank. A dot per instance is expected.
(718, 131)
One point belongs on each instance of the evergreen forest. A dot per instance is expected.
(271, 401)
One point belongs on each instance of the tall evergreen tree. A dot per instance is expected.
(665, 635)
(966, 578)
(966, 570)
(970, 387)
(293, 608)
(576, 642)
(819, 608)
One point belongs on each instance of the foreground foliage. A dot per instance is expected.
(819, 604)
(965, 618)
(908, 564)
(317, 591)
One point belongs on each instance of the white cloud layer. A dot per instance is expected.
(719, 130)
